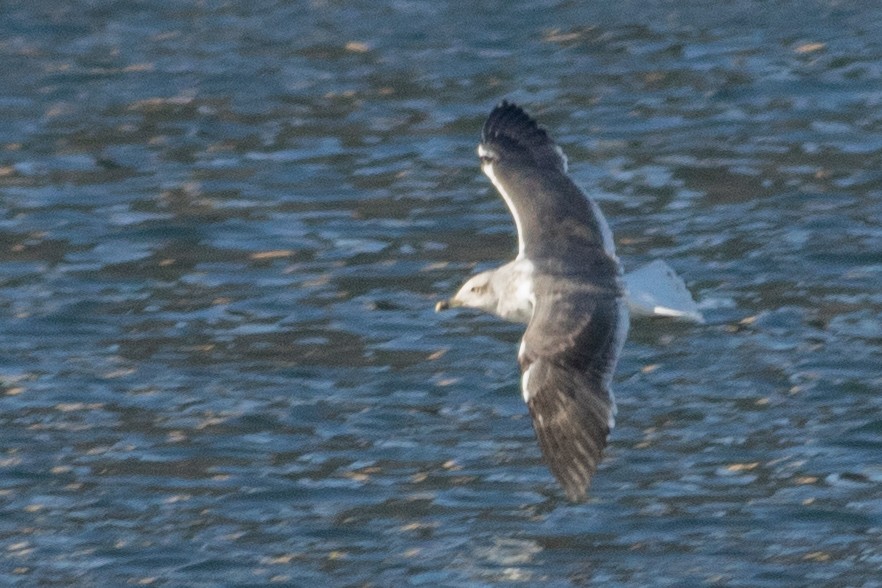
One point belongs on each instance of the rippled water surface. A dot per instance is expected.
(223, 227)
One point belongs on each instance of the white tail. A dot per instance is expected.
(656, 290)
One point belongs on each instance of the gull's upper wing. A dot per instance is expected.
(552, 214)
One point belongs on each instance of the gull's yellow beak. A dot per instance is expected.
(446, 304)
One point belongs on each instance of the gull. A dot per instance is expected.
(566, 284)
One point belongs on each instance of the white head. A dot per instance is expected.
(478, 292)
(506, 291)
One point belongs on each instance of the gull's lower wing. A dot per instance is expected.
(567, 358)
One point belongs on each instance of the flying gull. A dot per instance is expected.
(566, 284)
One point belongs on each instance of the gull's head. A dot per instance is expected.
(478, 292)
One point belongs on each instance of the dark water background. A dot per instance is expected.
(223, 227)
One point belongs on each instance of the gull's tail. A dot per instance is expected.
(656, 290)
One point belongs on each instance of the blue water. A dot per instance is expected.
(223, 228)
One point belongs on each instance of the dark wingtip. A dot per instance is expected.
(507, 119)
(509, 128)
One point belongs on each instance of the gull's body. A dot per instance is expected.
(652, 290)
